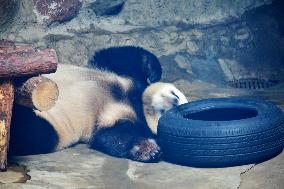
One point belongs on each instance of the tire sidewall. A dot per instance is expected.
(268, 117)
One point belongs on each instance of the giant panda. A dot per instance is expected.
(113, 111)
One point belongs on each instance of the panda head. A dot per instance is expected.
(158, 98)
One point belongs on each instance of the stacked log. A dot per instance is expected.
(6, 102)
(20, 67)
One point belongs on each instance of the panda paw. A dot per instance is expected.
(147, 150)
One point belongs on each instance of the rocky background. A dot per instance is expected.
(205, 47)
(202, 44)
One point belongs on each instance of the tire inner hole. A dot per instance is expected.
(222, 114)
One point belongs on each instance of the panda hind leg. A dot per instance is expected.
(31, 134)
(125, 141)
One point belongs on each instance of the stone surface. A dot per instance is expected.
(49, 11)
(168, 12)
(265, 175)
(80, 167)
(107, 7)
(234, 49)
(14, 174)
(8, 8)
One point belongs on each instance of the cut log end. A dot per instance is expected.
(45, 95)
(38, 93)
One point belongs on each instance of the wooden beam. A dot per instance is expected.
(18, 61)
(6, 103)
(37, 92)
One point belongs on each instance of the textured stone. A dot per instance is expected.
(14, 174)
(107, 7)
(169, 12)
(8, 8)
(236, 43)
(49, 11)
(80, 167)
(265, 175)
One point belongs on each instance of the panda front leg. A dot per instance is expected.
(125, 141)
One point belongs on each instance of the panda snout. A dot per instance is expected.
(167, 99)
(170, 100)
(174, 102)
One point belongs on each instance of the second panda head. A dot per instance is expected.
(158, 98)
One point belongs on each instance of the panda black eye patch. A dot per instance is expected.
(173, 93)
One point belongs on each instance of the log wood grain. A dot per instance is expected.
(6, 103)
(20, 61)
(38, 93)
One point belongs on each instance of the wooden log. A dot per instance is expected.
(38, 93)
(17, 63)
(6, 103)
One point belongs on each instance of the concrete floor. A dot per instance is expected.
(80, 167)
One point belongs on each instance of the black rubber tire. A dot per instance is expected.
(241, 131)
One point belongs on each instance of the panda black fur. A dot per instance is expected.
(140, 65)
(101, 108)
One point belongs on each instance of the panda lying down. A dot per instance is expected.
(113, 111)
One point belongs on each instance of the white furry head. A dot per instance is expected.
(158, 98)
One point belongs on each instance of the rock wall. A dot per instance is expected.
(212, 41)
(8, 8)
(169, 12)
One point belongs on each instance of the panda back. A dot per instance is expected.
(85, 99)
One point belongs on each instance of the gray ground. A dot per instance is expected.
(201, 45)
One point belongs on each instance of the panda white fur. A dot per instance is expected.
(158, 98)
(97, 107)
